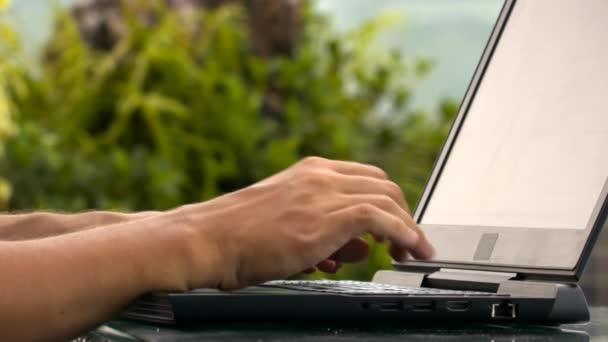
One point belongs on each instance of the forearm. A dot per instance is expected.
(45, 224)
(57, 287)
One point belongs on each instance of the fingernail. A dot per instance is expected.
(431, 252)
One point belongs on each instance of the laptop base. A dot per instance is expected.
(514, 302)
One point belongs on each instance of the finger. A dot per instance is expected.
(353, 221)
(398, 254)
(424, 248)
(349, 184)
(383, 202)
(427, 251)
(349, 168)
(309, 270)
(332, 268)
(327, 266)
(354, 250)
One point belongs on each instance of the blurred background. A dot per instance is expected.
(147, 105)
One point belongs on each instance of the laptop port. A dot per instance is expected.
(504, 310)
(391, 306)
(423, 307)
(460, 305)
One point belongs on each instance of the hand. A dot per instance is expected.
(313, 213)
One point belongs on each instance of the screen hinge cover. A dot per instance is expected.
(473, 275)
(468, 279)
(446, 278)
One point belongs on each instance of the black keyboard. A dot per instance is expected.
(351, 287)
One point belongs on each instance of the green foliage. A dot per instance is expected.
(9, 45)
(183, 110)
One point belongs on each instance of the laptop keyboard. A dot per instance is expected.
(351, 287)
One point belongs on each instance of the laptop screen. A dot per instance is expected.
(533, 149)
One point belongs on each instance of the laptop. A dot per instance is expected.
(513, 206)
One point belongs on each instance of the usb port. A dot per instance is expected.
(504, 310)
(459, 305)
(391, 306)
(423, 307)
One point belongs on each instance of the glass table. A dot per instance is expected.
(129, 331)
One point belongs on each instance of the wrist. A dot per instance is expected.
(182, 257)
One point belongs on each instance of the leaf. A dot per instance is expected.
(423, 67)
(155, 102)
(5, 193)
(8, 39)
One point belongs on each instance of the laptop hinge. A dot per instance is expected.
(459, 279)
(445, 278)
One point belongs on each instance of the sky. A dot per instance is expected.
(452, 33)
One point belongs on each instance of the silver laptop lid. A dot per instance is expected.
(522, 181)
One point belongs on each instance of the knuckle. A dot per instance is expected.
(316, 179)
(313, 160)
(364, 212)
(395, 224)
(386, 202)
(394, 190)
(379, 172)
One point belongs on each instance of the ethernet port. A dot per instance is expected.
(504, 310)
